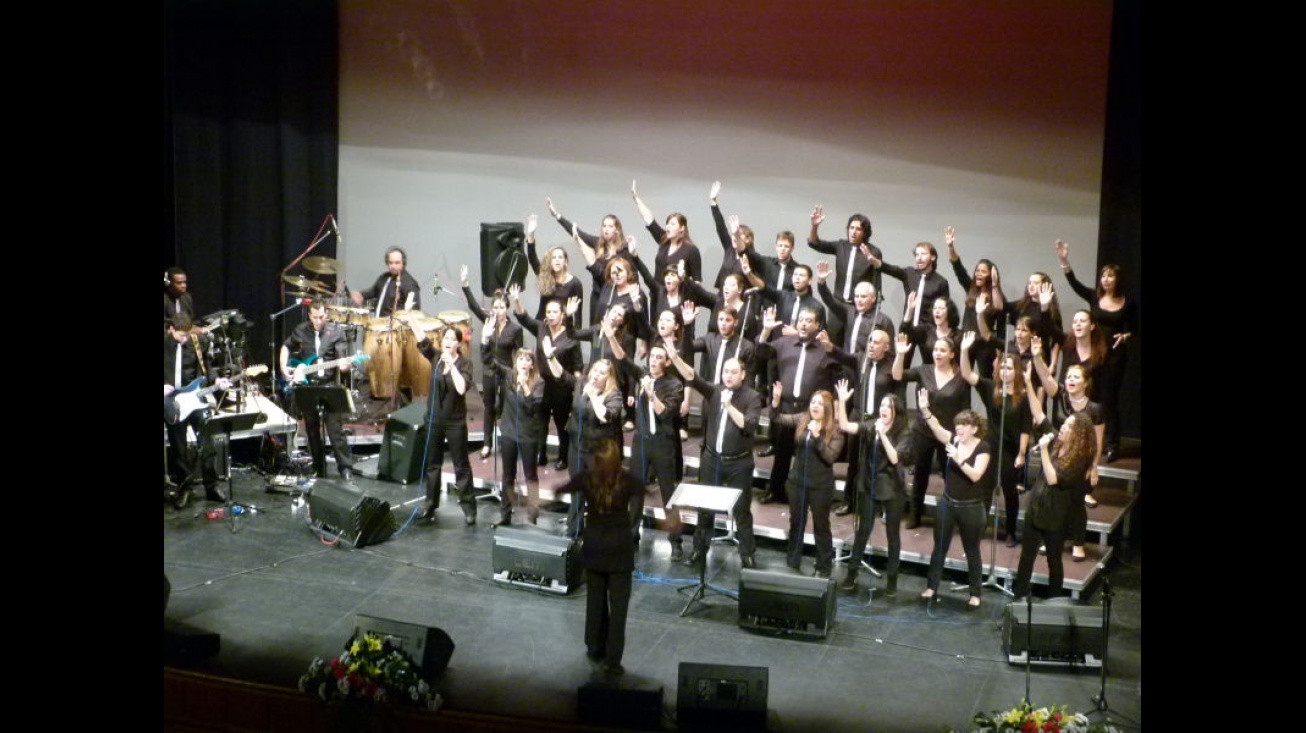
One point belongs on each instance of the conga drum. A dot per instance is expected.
(415, 374)
(339, 314)
(384, 342)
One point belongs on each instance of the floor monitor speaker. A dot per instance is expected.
(1060, 633)
(430, 647)
(343, 510)
(721, 697)
(787, 603)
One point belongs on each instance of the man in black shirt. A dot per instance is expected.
(311, 342)
(854, 257)
(185, 361)
(394, 290)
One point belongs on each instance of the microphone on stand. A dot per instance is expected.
(435, 285)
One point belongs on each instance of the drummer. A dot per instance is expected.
(394, 290)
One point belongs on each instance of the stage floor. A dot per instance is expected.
(279, 596)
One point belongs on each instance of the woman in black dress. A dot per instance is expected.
(962, 507)
(984, 302)
(597, 249)
(1116, 316)
(881, 482)
(606, 553)
(446, 416)
(595, 416)
(1064, 456)
(948, 393)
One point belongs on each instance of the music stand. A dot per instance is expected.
(320, 400)
(225, 425)
(710, 499)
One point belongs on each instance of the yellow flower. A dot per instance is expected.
(1014, 716)
(373, 643)
(355, 648)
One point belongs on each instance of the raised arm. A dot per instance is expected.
(901, 348)
(845, 393)
(588, 252)
(958, 269)
(813, 234)
(967, 341)
(532, 223)
(472, 305)
(1083, 291)
(1045, 377)
(645, 213)
(941, 434)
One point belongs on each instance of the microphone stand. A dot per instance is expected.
(273, 362)
(1099, 700)
(992, 581)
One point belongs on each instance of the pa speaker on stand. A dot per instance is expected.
(503, 258)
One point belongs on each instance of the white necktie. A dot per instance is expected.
(920, 297)
(852, 337)
(652, 416)
(798, 378)
(176, 367)
(720, 360)
(317, 343)
(381, 298)
(793, 317)
(721, 433)
(848, 281)
(870, 389)
(780, 280)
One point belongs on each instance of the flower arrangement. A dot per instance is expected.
(370, 669)
(1025, 718)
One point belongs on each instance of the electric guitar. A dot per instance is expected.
(181, 402)
(310, 366)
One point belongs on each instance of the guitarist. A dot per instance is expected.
(185, 360)
(319, 339)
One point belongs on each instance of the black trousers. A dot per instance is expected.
(557, 407)
(184, 463)
(926, 448)
(969, 518)
(1108, 388)
(607, 601)
(654, 457)
(737, 473)
(816, 496)
(1054, 540)
(783, 440)
(335, 428)
(455, 432)
(867, 510)
(490, 395)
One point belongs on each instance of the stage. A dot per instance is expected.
(279, 595)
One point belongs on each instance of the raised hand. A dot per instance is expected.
(950, 238)
(922, 400)
(646, 384)
(967, 340)
(462, 274)
(532, 223)
(514, 292)
(777, 391)
(716, 191)
(982, 303)
(843, 389)
(818, 215)
(1045, 294)
(573, 304)
(633, 192)
(744, 266)
(1063, 252)
(680, 269)
(732, 224)
(631, 244)
(1035, 347)
(903, 345)
(822, 337)
(552, 211)
(575, 232)
(911, 306)
(546, 346)
(688, 311)
(769, 320)
(487, 331)
(1120, 339)
(822, 270)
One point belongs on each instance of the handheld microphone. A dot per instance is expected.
(435, 285)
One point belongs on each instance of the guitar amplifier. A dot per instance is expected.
(787, 603)
(535, 558)
(336, 507)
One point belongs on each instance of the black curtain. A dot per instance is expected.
(1120, 237)
(251, 149)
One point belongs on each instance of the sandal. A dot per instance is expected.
(973, 603)
(1089, 501)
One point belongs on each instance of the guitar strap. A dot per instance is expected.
(199, 357)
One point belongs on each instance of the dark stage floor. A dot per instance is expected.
(278, 597)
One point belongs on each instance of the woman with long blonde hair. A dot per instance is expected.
(553, 275)
(810, 486)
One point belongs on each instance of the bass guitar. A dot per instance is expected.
(311, 366)
(181, 402)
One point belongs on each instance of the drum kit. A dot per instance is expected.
(395, 361)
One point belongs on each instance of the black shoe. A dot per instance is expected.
(505, 519)
(891, 586)
(913, 519)
(843, 509)
(561, 465)
(469, 516)
(747, 561)
(613, 669)
(1012, 541)
(795, 564)
(213, 493)
(347, 473)
(767, 451)
(823, 573)
(428, 512)
(696, 557)
(772, 498)
(849, 583)
(677, 553)
(543, 460)
(1110, 456)
(182, 498)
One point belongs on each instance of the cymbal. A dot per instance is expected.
(298, 281)
(321, 265)
(298, 294)
(319, 286)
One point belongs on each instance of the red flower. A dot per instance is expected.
(1030, 727)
